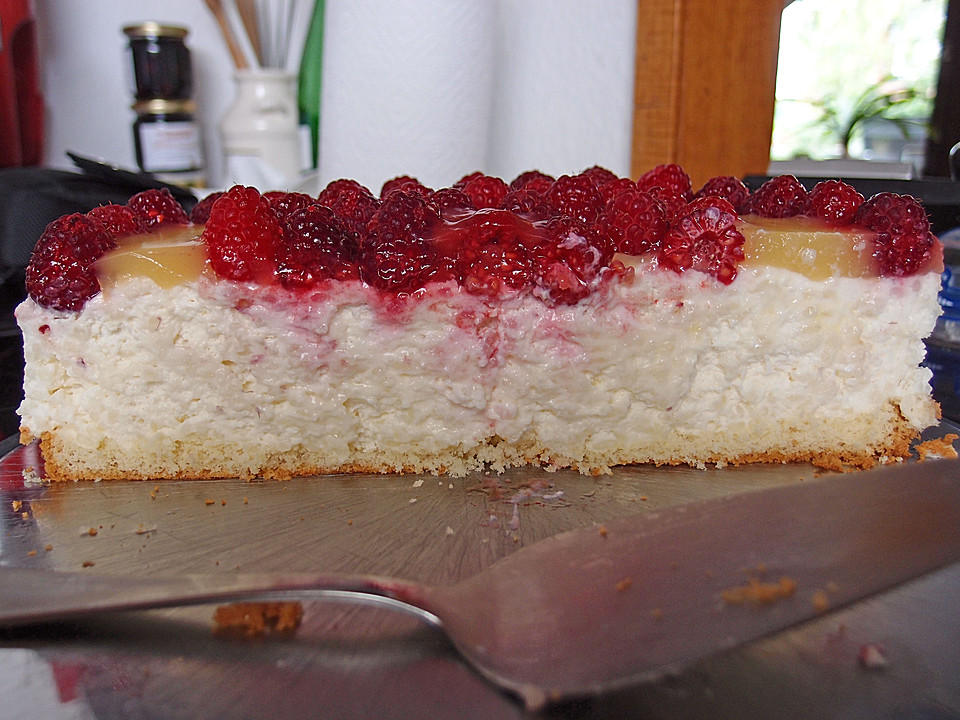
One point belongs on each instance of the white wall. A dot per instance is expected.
(560, 80)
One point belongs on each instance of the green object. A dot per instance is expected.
(310, 81)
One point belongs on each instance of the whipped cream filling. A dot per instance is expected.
(342, 370)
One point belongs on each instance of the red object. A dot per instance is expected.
(21, 102)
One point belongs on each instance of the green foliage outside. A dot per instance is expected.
(850, 69)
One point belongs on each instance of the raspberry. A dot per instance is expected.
(485, 191)
(351, 202)
(154, 208)
(727, 187)
(577, 197)
(315, 247)
(600, 175)
(634, 222)
(284, 204)
(395, 254)
(704, 237)
(459, 184)
(568, 263)
(670, 177)
(613, 188)
(495, 268)
(398, 266)
(533, 180)
(451, 203)
(782, 196)
(402, 216)
(903, 241)
(61, 274)
(201, 211)
(405, 183)
(489, 251)
(527, 203)
(242, 235)
(670, 184)
(833, 201)
(118, 220)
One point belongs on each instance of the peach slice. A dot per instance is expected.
(169, 257)
(808, 246)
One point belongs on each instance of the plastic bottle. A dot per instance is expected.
(310, 82)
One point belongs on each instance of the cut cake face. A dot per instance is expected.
(585, 321)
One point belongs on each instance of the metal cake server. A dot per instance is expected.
(604, 606)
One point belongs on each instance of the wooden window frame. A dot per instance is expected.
(705, 85)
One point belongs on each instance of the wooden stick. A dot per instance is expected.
(248, 14)
(239, 61)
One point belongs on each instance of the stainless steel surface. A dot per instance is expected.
(562, 617)
(367, 662)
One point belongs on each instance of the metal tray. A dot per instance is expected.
(351, 661)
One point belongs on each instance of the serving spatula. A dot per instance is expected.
(608, 605)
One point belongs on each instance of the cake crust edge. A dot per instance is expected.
(62, 465)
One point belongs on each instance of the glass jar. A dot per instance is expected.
(168, 142)
(161, 61)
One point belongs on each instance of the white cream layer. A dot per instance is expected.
(664, 368)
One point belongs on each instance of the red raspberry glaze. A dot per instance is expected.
(553, 238)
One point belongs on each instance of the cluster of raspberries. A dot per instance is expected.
(554, 237)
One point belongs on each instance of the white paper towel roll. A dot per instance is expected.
(407, 89)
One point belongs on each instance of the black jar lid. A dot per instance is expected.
(152, 29)
(163, 106)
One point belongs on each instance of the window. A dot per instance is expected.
(857, 79)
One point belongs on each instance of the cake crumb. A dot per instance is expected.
(257, 619)
(757, 592)
(624, 584)
(92, 532)
(872, 657)
(937, 447)
(24, 515)
(88, 563)
(31, 477)
(656, 613)
(48, 548)
(418, 483)
(602, 530)
(209, 501)
(820, 601)
(31, 553)
(16, 505)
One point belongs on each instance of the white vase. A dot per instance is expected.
(261, 141)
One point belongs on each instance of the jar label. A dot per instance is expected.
(170, 146)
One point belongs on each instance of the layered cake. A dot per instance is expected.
(584, 321)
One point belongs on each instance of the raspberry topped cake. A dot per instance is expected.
(583, 321)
